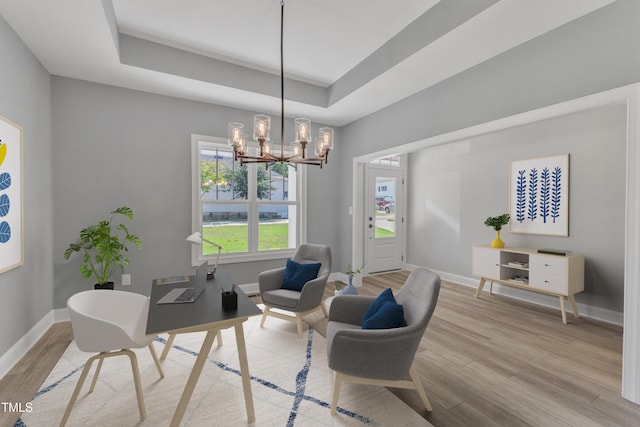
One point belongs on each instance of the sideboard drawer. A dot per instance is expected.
(553, 265)
(548, 282)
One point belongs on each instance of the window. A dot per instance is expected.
(251, 211)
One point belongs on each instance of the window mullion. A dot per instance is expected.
(252, 178)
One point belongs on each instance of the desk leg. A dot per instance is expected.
(480, 286)
(193, 378)
(167, 346)
(244, 370)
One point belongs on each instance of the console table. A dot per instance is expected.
(557, 275)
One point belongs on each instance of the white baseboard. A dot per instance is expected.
(17, 351)
(596, 313)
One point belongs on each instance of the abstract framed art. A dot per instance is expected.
(11, 245)
(539, 196)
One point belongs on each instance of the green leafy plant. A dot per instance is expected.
(102, 245)
(497, 221)
(351, 272)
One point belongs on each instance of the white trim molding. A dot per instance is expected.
(631, 334)
(17, 351)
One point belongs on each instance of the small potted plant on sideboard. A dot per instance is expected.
(103, 246)
(497, 222)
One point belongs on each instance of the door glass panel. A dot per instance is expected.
(385, 207)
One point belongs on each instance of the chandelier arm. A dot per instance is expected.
(281, 78)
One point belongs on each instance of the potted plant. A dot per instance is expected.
(102, 246)
(350, 289)
(497, 222)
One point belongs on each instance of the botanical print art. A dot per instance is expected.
(540, 196)
(10, 195)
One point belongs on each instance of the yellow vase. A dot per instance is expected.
(497, 243)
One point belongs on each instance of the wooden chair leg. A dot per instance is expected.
(264, 316)
(154, 355)
(324, 311)
(337, 379)
(96, 374)
(136, 381)
(76, 391)
(299, 324)
(423, 395)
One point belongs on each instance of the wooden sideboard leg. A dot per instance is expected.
(574, 306)
(564, 312)
(491, 288)
(480, 286)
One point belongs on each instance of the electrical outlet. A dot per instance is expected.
(126, 279)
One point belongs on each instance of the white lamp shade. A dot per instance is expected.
(195, 238)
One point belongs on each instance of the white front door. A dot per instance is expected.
(384, 219)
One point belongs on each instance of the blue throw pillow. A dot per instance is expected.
(385, 296)
(384, 313)
(297, 274)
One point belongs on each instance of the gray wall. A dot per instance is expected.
(592, 54)
(116, 147)
(455, 187)
(25, 99)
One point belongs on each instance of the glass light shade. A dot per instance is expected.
(296, 149)
(303, 129)
(261, 127)
(240, 145)
(236, 131)
(326, 138)
(319, 148)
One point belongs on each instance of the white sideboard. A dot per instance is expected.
(557, 275)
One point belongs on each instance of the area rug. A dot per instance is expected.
(290, 382)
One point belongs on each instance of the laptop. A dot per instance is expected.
(187, 295)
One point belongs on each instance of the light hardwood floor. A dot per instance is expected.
(492, 361)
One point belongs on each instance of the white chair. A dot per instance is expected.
(110, 322)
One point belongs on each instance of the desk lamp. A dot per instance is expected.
(196, 238)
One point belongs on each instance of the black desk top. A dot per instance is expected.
(206, 309)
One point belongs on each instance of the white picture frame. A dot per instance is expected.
(539, 196)
(11, 197)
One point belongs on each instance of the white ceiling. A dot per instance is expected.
(344, 58)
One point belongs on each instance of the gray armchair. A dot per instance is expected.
(381, 356)
(299, 303)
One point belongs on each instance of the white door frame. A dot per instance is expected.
(627, 95)
(400, 209)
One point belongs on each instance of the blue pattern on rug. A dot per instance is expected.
(299, 394)
(301, 380)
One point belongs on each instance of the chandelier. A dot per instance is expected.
(297, 152)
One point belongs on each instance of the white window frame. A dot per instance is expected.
(198, 141)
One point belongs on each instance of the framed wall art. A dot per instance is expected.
(539, 196)
(11, 248)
